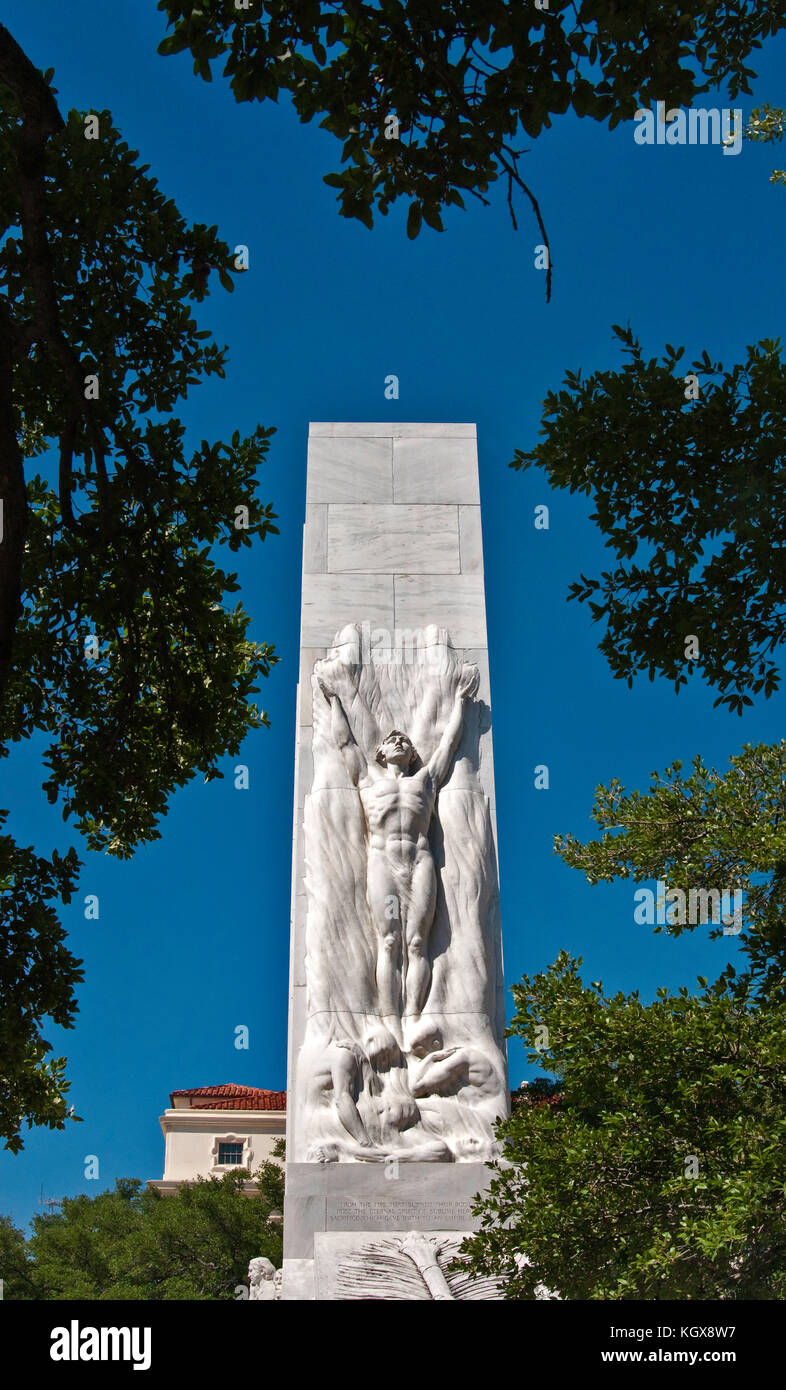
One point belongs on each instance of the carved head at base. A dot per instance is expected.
(397, 747)
(428, 1038)
(381, 1048)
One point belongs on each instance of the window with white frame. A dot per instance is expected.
(232, 1151)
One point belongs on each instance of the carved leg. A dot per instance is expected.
(384, 904)
(417, 929)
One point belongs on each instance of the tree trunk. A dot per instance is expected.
(13, 502)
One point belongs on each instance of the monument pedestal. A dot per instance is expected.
(336, 1210)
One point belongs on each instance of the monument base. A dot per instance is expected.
(297, 1281)
(334, 1213)
(372, 1266)
(378, 1197)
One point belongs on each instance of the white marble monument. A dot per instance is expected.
(397, 1066)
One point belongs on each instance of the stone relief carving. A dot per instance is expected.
(408, 1268)
(263, 1286)
(402, 1055)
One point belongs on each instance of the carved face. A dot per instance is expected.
(260, 1268)
(397, 748)
(402, 1113)
(426, 1043)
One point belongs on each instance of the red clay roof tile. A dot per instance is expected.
(232, 1097)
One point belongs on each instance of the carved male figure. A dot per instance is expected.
(401, 885)
(335, 1082)
(334, 1085)
(464, 1071)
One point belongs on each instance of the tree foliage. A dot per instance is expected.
(653, 1167)
(37, 979)
(651, 1163)
(709, 829)
(767, 125)
(691, 497)
(17, 1270)
(467, 80)
(134, 1243)
(120, 638)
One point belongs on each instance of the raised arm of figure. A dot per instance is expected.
(440, 762)
(342, 734)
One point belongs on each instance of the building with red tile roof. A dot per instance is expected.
(228, 1097)
(210, 1130)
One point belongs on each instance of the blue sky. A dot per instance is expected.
(686, 243)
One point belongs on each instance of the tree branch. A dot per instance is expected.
(40, 120)
(13, 500)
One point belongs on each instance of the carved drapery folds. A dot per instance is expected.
(403, 1057)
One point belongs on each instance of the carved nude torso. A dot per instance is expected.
(401, 882)
(398, 810)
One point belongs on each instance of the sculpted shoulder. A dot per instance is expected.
(376, 775)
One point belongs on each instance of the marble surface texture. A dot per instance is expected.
(392, 547)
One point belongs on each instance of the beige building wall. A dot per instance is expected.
(192, 1138)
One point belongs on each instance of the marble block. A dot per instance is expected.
(456, 602)
(330, 601)
(345, 469)
(435, 470)
(470, 540)
(408, 1266)
(315, 535)
(308, 656)
(360, 1197)
(388, 539)
(388, 429)
(298, 1281)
